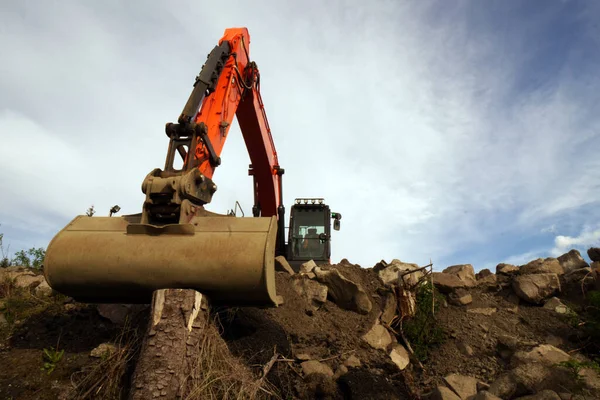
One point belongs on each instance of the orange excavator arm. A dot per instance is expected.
(228, 86)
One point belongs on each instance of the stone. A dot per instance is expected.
(316, 367)
(579, 276)
(485, 395)
(464, 386)
(506, 269)
(400, 356)
(464, 272)
(503, 387)
(542, 395)
(117, 313)
(556, 305)
(572, 260)
(542, 266)
(313, 292)
(390, 308)
(490, 280)
(483, 311)
(307, 267)
(28, 281)
(282, 265)
(391, 273)
(484, 273)
(352, 362)
(590, 379)
(460, 297)
(103, 350)
(594, 253)
(341, 370)
(343, 292)
(378, 337)
(465, 349)
(443, 393)
(535, 288)
(544, 354)
(303, 357)
(43, 289)
(446, 283)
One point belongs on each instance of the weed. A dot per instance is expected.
(51, 357)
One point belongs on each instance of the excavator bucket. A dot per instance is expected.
(112, 260)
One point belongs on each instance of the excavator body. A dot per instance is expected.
(175, 242)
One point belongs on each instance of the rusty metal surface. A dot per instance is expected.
(109, 260)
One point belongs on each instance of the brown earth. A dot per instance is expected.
(297, 331)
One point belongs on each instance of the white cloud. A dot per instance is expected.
(588, 237)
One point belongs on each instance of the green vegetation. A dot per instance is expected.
(32, 258)
(51, 357)
(422, 331)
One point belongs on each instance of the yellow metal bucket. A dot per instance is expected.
(109, 260)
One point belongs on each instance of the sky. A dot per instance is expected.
(451, 131)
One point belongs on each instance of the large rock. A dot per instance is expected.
(542, 266)
(307, 267)
(460, 297)
(43, 289)
(464, 272)
(464, 386)
(544, 354)
(316, 367)
(390, 308)
(443, 393)
(594, 253)
(390, 274)
(556, 305)
(400, 356)
(572, 260)
(28, 281)
(489, 280)
(484, 273)
(535, 288)
(581, 276)
(343, 292)
(542, 395)
(313, 292)
(378, 337)
(485, 395)
(506, 269)
(447, 283)
(282, 265)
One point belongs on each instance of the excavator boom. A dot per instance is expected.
(174, 242)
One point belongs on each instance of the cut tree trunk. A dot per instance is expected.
(178, 320)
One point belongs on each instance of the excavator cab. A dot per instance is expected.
(309, 235)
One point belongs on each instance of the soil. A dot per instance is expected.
(297, 331)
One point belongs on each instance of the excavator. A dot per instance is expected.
(175, 242)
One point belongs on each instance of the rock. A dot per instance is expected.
(465, 349)
(464, 272)
(313, 292)
(542, 395)
(576, 276)
(446, 283)
(490, 280)
(536, 287)
(556, 305)
(28, 281)
(390, 308)
(544, 354)
(378, 337)
(485, 395)
(303, 357)
(443, 393)
(542, 266)
(460, 297)
(534, 377)
(482, 311)
(352, 362)
(307, 267)
(390, 274)
(103, 350)
(503, 387)
(591, 379)
(345, 293)
(572, 260)
(484, 273)
(282, 265)
(400, 356)
(507, 345)
(506, 269)
(316, 367)
(43, 289)
(464, 386)
(341, 370)
(594, 253)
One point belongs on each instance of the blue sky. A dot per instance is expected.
(457, 131)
